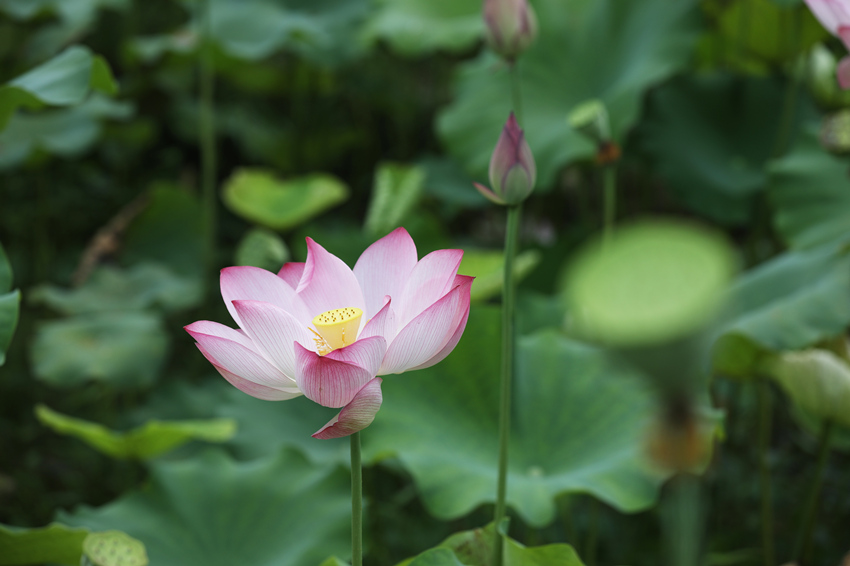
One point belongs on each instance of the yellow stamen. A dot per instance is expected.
(337, 328)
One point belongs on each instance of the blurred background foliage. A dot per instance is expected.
(342, 119)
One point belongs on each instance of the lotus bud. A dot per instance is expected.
(512, 169)
(511, 26)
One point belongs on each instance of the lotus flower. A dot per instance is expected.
(512, 169)
(834, 15)
(323, 330)
(511, 26)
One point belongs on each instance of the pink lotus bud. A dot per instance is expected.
(512, 168)
(511, 26)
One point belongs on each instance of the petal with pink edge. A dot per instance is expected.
(383, 269)
(431, 279)
(247, 283)
(291, 273)
(334, 380)
(255, 389)
(466, 281)
(215, 329)
(327, 283)
(843, 72)
(382, 324)
(426, 335)
(274, 332)
(356, 415)
(241, 360)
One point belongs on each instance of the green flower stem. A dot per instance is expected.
(206, 131)
(589, 555)
(765, 410)
(609, 180)
(356, 502)
(508, 307)
(516, 96)
(807, 524)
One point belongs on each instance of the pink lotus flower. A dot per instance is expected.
(325, 331)
(512, 168)
(834, 15)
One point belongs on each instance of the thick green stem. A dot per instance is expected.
(206, 132)
(683, 520)
(508, 307)
(807, 523)
(765, 409)
(609, 180)
(356, 502)
(592, 532)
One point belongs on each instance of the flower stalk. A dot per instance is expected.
(765, 421)
(356, 502)
(206, 130)
(807, 523)
(508, 344)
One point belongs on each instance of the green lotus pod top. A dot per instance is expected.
(652, 283)
(113, 548)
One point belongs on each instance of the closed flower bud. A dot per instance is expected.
(511, 26)
(512, 169)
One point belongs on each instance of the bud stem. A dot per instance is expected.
(516, 95)
(804, 535)
(508, 343)
(609, 181)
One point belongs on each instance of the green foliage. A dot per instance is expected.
(125, 349)
(142, 286)
(395, 193)
(262, 248)
(9, 305)
(577, 426)
(143, 443)
(65, 80)
(652, 283)
(808, 188)
(417, 28)
(55, 543)
(114, 548)
(280, 205)
(730, 127)
(795, 299)
(212, 510)
(643, 42)
(488, 269)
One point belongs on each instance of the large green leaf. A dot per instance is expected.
(475, 548)
(123, 348)
(578, 423)
(211, 510)
(65, 80)
(142, 443)
(109, 288)
(488, 266)
(795, 299)
(54, 543)
(810, 192)
(67, 132)
(413, 27)
(710, 137)
(260, 197)
(612, 50)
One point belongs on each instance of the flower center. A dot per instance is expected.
(336, 328)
